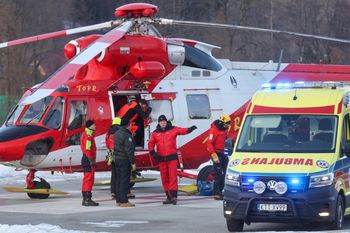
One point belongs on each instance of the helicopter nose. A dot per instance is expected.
(10, 152)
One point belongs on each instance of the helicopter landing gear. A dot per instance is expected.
(34, 184)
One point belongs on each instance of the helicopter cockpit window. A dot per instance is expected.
(198, 106)
(35, 111)
(53, 118)
(161, 107)
(78, 114)
(199, 59)
(16, 112)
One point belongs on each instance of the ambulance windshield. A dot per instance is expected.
(288, 133)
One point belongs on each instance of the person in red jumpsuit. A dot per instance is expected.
(218, 134)
(164, 138)
(88, 147)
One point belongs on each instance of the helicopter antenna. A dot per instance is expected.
(239, 27)
(280, 60)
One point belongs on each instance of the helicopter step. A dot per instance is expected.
(188, 189)
(35, 191)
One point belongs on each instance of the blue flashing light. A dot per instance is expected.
(266, 85)
(295, 181)
(283, 85)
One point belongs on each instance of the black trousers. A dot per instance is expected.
(113, 183)
(122, 179)
(220, 173)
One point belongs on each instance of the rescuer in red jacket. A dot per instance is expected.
(136, 113)
(88, 147)
(164, 138)
(218, 133)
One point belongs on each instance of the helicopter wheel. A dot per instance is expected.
(42, 184)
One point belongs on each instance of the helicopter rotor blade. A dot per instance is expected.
(71, 67)
(60, 33)
(239, 27)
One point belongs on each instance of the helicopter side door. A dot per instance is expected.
(76, 116)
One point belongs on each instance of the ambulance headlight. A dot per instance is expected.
(232, 179)
(321, 180)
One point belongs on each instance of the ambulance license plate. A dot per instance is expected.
(272, 207)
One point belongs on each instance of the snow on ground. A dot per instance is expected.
(9, 175)
(41, 228)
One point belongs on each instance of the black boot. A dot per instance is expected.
(85, 198)
(87, 201)
(168, 199)
(173, 199)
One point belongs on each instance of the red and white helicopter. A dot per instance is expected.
(178, 77)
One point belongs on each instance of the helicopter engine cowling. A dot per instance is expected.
(74, 47)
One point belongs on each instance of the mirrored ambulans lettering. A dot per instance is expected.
(278, 161)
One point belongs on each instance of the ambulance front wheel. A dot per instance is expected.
(234, 225)
(338, 222)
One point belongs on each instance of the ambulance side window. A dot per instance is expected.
(198, 106)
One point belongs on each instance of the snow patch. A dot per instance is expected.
(40, 228)
(114, 223)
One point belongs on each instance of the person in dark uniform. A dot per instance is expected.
(110, 146)
(124, 159)
(88, 147)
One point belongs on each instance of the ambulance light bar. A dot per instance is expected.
(301, 84)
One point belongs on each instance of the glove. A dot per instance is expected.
(153, 153)
(91, 161)
(215, 157)
(133, 167)
(193, 127)
(109, 160)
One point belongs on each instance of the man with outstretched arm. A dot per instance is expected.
(164, 138)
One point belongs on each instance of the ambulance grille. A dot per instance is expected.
(295, 184)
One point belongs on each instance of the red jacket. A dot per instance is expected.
(165, 140)
(217, 137)
(110, 137)
(110, 141)
(87, 143)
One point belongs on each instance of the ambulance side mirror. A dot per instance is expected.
(345, 148)
(228, 146)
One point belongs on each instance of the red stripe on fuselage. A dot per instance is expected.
(312, 72)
